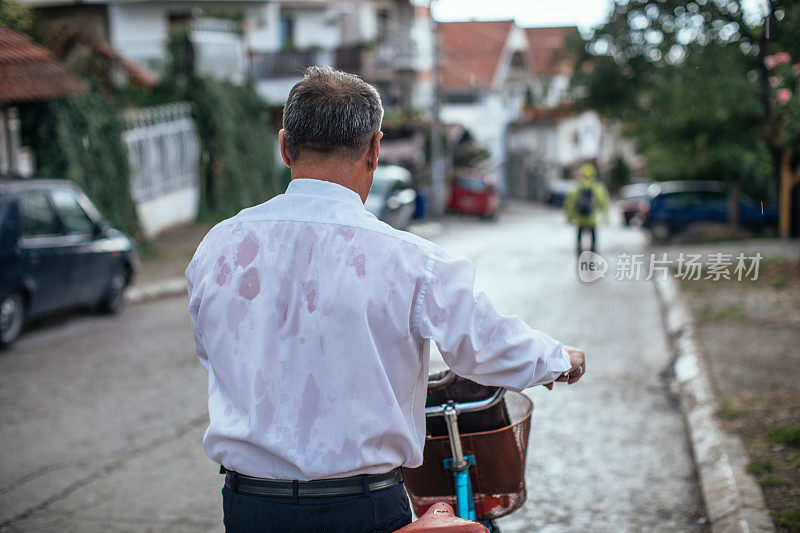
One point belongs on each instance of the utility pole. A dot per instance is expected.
(437, 156)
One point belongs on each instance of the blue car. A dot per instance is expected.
(56, 253)
(676, 205)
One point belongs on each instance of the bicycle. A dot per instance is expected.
(475, 461)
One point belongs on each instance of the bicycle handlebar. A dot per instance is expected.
(466, 407)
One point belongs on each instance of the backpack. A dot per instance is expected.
(583, 204)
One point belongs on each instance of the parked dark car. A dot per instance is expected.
(473, 192)
(676, 205)
(56, 253)
(391, 198)
(634, 202)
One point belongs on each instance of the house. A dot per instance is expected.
(550, 62)
(550, 139)
(376, 39)
(140, 29)
(28, 73)
(485, 76)
(163, 148)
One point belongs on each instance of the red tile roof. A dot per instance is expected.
(470, 52)
(30, 72)
(137, 73)
(546, 43)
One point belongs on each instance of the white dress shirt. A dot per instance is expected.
(314, 319)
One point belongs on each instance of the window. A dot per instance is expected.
(38, 217)
(287, 31)
(716, 200)
(461, 98)
(75, 219)
(383, 21)
(471, 184)
(682, 200)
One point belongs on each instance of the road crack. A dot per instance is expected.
(109, 468)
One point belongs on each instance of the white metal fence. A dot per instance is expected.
(163, 150)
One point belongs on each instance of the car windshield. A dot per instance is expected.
(471, 184)
(380, 187)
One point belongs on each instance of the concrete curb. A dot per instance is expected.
(733, 499)
(152, 291)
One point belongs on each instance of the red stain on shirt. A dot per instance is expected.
(246, 251)
(250, 285)
(311, 300)
(347, 233)
(223, 271)
(359, 263)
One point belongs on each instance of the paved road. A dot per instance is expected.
(102, 418)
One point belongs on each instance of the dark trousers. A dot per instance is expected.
(375, 512)
(592, 232)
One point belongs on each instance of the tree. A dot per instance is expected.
(16, 16)
(781, 94)
(691, 82)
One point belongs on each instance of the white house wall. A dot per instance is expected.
(262, 27)
(139, 31)
(579, 138)
(316, 28)
(486, 121)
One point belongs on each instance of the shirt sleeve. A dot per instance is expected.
(475, 340)
(194, 309)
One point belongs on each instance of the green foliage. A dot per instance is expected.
(788, 435)
(790, 520)
(79, 138)
(620, 174)
(759, 468)
(703, 121)
(726, 412)
(772, 481)
(684, 77)
(237, 167)
(16, 16)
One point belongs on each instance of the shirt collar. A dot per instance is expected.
(325, 189)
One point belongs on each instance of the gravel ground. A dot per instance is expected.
(749, 332)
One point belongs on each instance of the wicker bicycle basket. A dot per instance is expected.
(498, 477)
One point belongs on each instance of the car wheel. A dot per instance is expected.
(114, 299)
(12, 317)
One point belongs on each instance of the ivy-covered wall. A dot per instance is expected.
(237, 166)
(79, 138)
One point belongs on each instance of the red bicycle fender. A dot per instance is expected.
(440, 518)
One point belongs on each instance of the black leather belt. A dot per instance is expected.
(346, 486)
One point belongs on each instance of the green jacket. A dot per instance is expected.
(599, 203)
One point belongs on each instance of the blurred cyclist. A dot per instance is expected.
(583, 204)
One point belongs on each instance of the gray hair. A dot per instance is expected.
(330, 112)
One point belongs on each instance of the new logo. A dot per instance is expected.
(591, 267)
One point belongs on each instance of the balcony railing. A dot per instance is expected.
(397, 54)
(285, 63)
(361, 59)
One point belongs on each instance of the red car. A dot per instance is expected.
(474, 194)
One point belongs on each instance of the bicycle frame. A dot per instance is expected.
(459, 464)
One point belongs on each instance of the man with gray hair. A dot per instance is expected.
(314, 321)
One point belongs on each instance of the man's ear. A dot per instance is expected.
(284, 154)
(373, 152)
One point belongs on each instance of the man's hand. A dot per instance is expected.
(577, 360)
